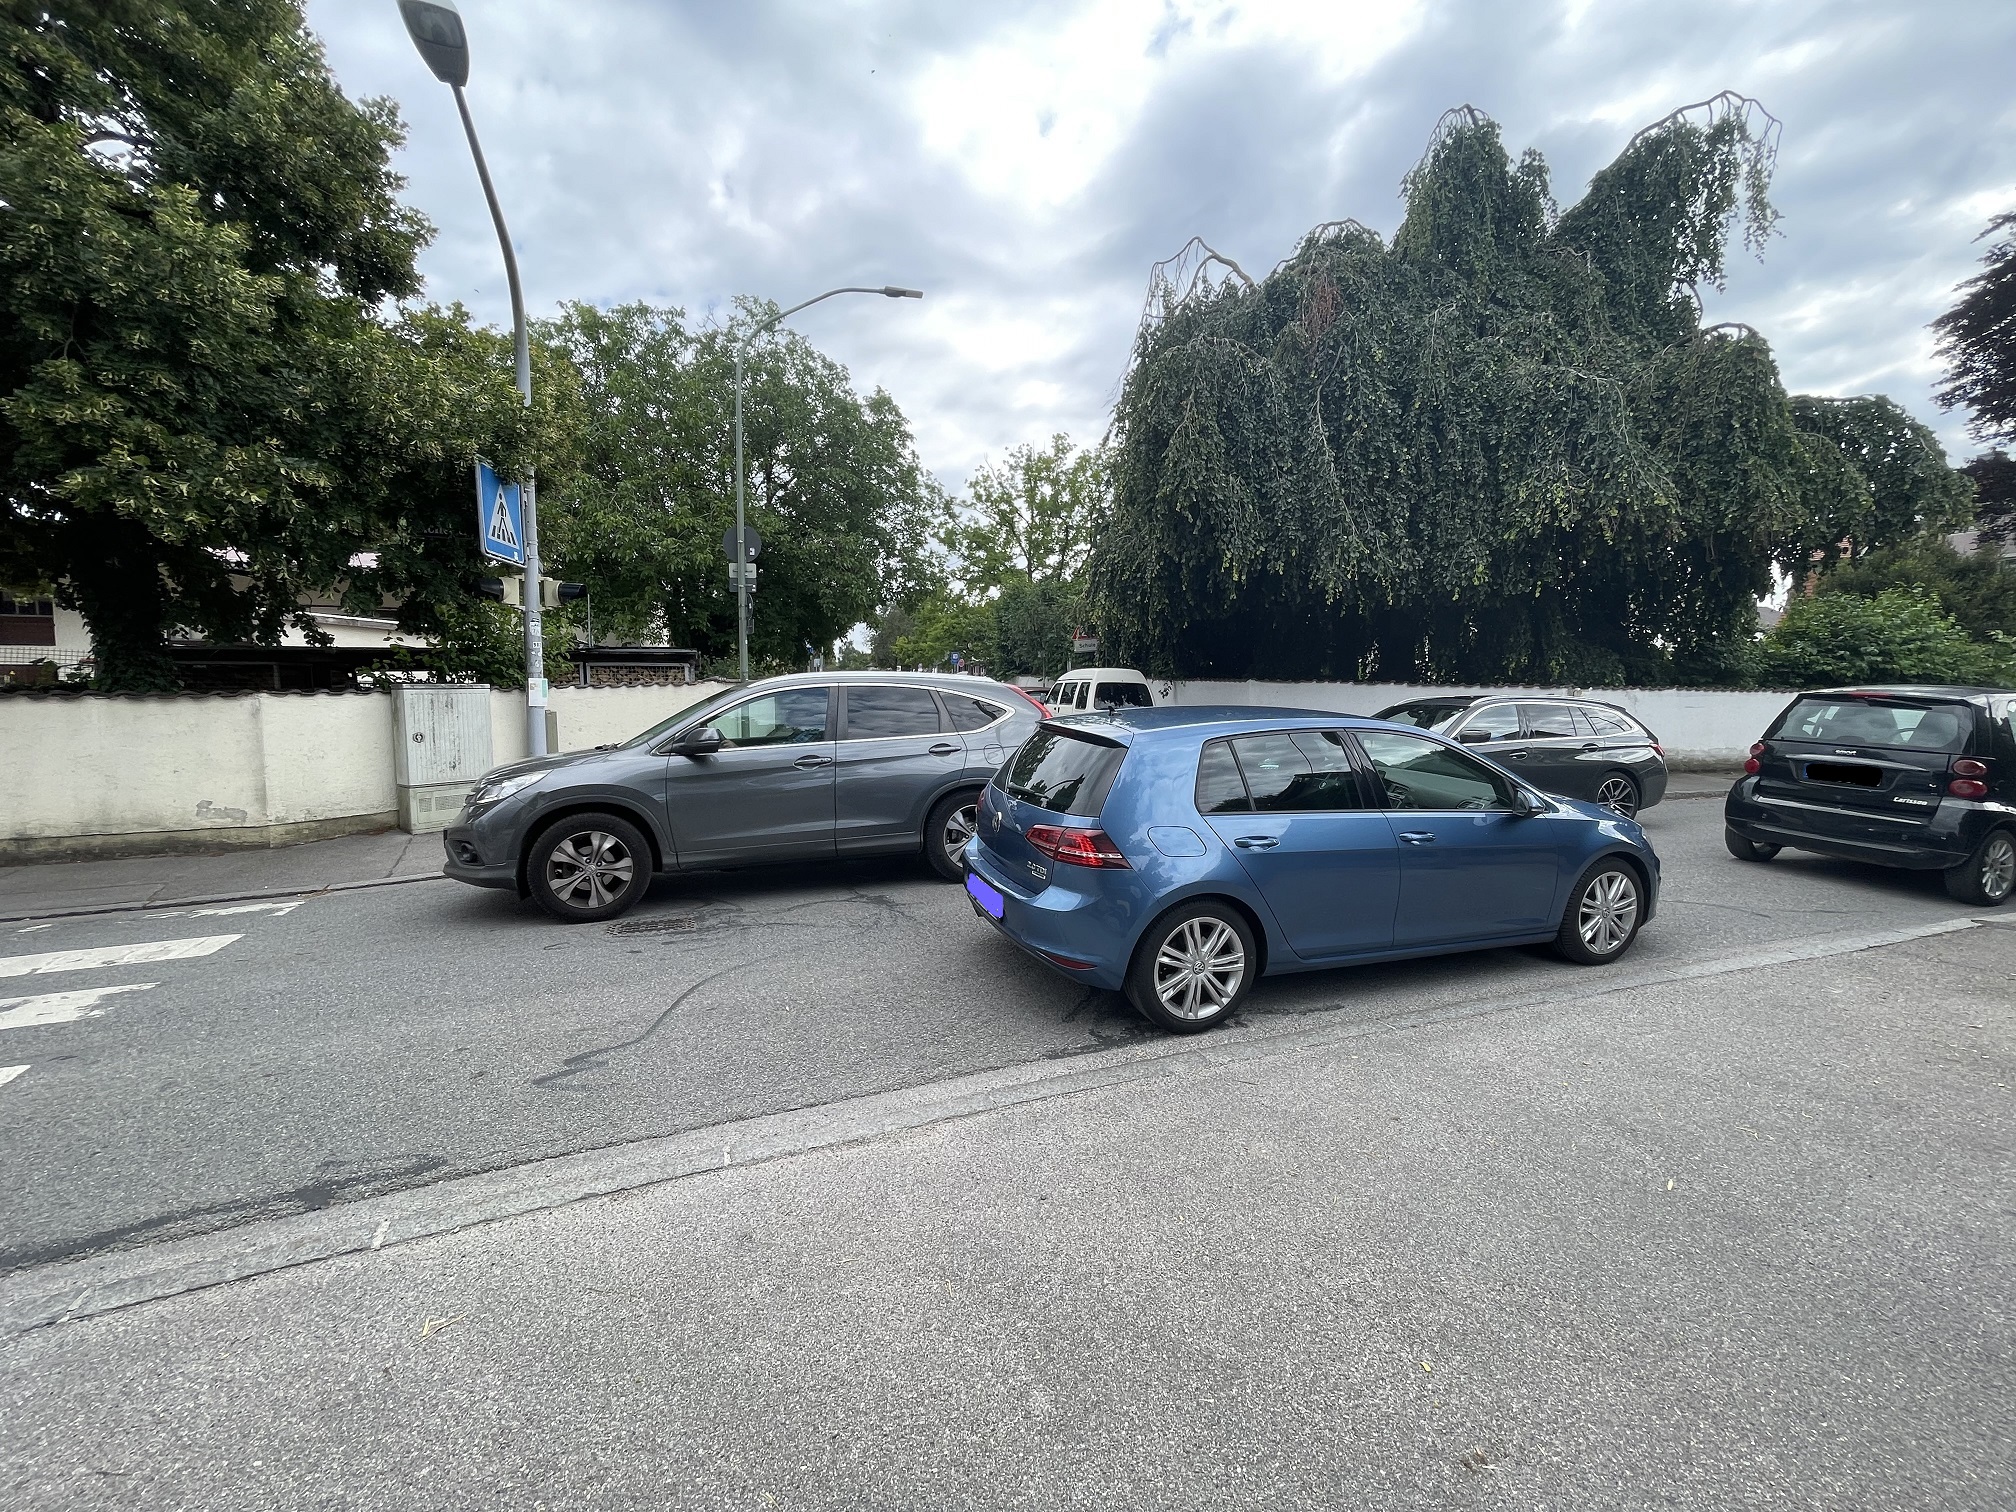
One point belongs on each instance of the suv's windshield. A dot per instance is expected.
(1063, 772)
(1876, 722)
(687, 715)
(1429, 716)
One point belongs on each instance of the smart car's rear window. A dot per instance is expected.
(1063, 771)
(1877, 722)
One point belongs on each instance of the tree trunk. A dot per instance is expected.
(115, 583)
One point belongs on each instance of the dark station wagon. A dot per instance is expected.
(1915, 777)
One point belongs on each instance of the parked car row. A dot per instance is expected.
(1178, 854)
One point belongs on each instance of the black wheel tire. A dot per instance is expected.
(1618, 792)
(1745, 849)
(1988, 877)
(951, 823)
(1603, 914)
(1192, 935)
(600, 859)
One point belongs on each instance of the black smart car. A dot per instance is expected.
(1916, 777)
(1576, 747)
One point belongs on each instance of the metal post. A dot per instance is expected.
(741, 541)
(535, 649)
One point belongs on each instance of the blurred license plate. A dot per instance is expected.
(984, 895)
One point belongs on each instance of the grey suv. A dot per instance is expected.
(796, 768)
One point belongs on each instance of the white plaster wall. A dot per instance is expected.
(589, 717)
(94, 766)
(1698, 726)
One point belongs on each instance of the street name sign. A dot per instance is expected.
(500, 517)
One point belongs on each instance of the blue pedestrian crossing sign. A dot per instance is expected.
(500, 517)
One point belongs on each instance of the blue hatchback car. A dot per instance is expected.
(1178, 854)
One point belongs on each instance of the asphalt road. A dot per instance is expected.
(298, 1056)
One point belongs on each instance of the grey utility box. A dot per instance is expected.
(441, 745)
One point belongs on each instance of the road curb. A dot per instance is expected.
(74, 1290)
(236, 897)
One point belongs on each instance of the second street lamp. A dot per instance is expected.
(437, 32)
(888, 291)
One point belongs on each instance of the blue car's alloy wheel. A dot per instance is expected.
(1192, 967)
(1603, 916)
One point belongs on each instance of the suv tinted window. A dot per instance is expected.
(1123, 695)
(792, 716)
(1306, 771)
(873, 712)
(1220, 789)
(1423, 774)
(1429, 716)
(1063, 772)
(1872, 722)
(1607, 723)
(970, 713)
(1548, 721)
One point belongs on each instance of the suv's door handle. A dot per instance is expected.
(1257, 842)
(808, 763)
(1417, 837)
(1519, 755)
(1590, 746)
(944, 748)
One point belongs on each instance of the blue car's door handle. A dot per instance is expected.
(1417, 837)
(1257, 842)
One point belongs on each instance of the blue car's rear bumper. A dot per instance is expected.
(1087, 936)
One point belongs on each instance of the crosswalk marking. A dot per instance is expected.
(60, 1007)
(8, 1073)
(114, 955)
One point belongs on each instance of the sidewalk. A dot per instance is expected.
(66, 887)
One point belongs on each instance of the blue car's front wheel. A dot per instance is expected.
(1193, 967)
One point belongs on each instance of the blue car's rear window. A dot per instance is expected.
(1063, 771)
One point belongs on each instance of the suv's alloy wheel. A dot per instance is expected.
(588, 867)
(954, 820)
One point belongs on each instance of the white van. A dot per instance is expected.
(1100, 688)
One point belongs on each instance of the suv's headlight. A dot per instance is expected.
(486, 793)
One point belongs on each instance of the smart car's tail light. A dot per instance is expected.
(1753, 766)
(1076, 847)
(1967, 766)
(1967, 787)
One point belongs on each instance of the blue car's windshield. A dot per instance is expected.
(1063, 771)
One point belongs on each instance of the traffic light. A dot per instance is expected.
(506, 590)
(552, 594)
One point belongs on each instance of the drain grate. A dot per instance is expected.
(674, 924)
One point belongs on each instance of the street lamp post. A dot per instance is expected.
(741, 541)
(436, 30)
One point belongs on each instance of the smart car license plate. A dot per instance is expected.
(984, 895)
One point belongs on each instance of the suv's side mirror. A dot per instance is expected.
(702, 742)
(1473, 737)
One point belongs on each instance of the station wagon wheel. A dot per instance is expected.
(1619, 794)
(954, 819)
(1603, 915)
(588, 867)
(1986, 878)
(1192, 967)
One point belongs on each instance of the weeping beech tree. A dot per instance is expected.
(1503, 447)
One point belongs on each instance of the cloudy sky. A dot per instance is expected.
(1025, 163)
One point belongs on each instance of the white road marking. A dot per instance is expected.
(115, 955)
(31, 929)
(60, 1007)
(278, 910)
(8, 1073)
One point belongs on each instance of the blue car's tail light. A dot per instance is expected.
(1075, 847)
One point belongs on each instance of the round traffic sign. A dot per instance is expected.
(753, 541)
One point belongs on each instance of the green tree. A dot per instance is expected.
(1501, 448)
(1977, 337)
(199, 229)
(1898, 635)
(1892, 482)
(1993, 475)
(1977, 590)
(835, 488)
